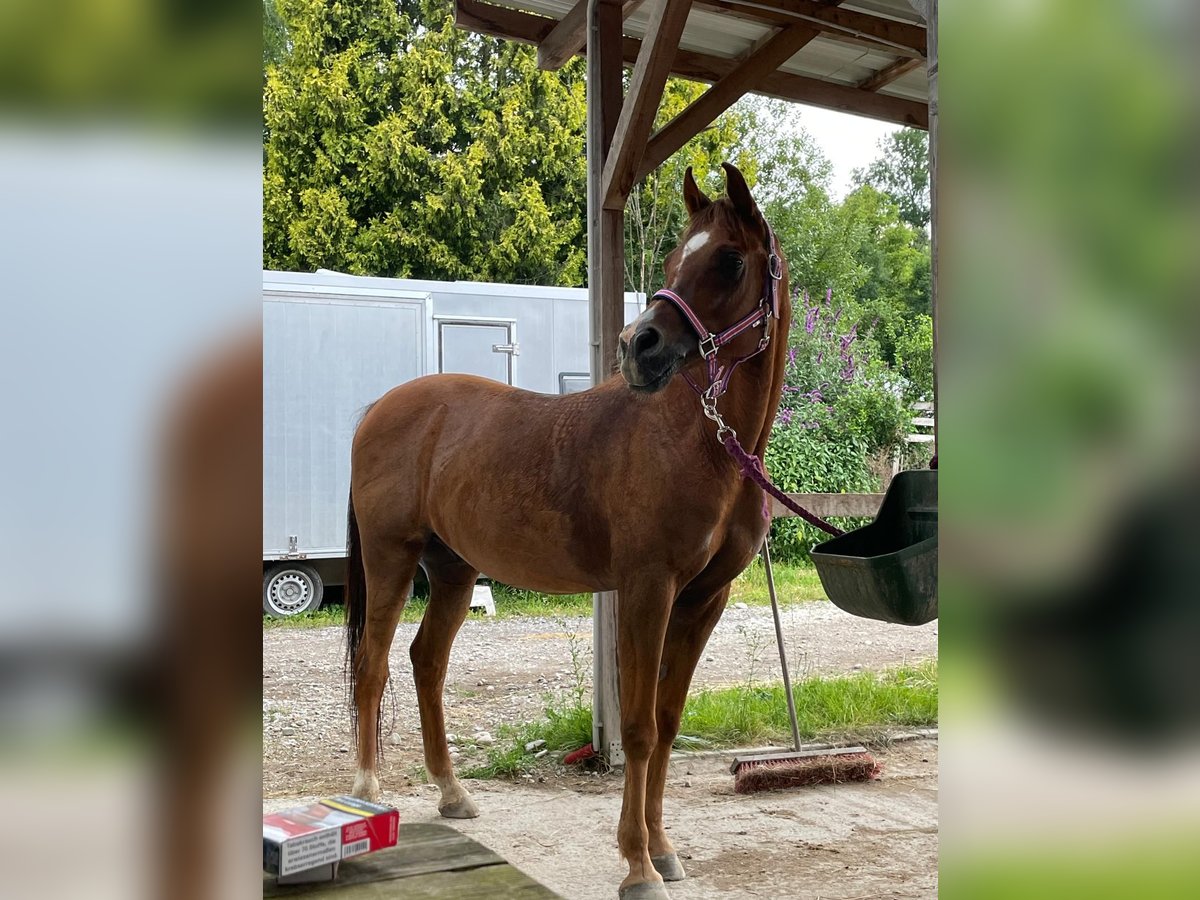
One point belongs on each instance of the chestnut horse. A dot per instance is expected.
(623, 487)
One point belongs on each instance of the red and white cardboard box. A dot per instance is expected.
(325, 833)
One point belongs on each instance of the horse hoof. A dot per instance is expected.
(669, 867)
(463, 808)
(366, 787)
(644, 890)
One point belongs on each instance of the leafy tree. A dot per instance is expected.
(274, 35)
(902, 172)
(894, 266)
(794, 191)
(399, 145)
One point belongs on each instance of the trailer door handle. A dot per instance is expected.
(513, 349)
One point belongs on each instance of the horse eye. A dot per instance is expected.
(731, 264)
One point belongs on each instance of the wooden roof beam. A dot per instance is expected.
(891, 73)
(830, 19)
(515, 25)
(570, 35)
(646, 85)
(802, 89)
(743, 77)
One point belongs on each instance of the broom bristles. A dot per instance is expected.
(753, 777)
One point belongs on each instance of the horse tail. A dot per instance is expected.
(355, 600)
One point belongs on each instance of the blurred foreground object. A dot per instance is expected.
(130, 246)
(1069, 439)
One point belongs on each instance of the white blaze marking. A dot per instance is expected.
(695, 242)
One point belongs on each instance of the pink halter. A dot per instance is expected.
(710, 342)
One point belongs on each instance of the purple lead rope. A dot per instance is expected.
(751, 467)
(718, 378)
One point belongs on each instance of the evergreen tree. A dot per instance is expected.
(399, 145)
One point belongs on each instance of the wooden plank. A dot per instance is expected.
(813, 91)
(502, 22)
(520, 26)
(569, 36)
(606, 297)
(427, 861)
(829, 19)
(701, 112)
(646, 85)
(484, 883)
(566, 39)
(889, 74)
(826, 505)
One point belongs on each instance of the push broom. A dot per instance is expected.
(799, 767)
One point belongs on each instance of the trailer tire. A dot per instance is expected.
(291, 588)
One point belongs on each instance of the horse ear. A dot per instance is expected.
(693, 197)
(739, 193)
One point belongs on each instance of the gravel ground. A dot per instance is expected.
(501, 672)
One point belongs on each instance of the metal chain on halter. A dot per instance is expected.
(708, 402)
(710, 344)
(718, 377)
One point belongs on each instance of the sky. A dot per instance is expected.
(850, 142)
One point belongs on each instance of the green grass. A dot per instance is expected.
(794, 584)
(858, 707)
(564, 729)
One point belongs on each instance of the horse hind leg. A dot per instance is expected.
(451, 583)
(388, 580)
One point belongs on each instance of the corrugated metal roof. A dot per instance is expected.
(841, 59)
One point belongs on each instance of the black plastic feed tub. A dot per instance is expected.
(888, 570)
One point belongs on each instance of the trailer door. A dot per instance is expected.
(485, 347)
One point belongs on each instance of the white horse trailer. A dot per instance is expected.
(333, 344)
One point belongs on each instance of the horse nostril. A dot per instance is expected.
(646, 341)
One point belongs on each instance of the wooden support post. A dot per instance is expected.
(641, 104)
(701, 112)
(606, 296)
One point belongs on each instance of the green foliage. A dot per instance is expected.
(274, 35)
(858, 707)
(913, 342)
(839, 408)
(852, 707)
(902, 172)
(399, 145)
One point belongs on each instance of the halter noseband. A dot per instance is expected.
(711, 342)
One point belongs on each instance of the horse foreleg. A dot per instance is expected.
(641, 626)
(389, 582)
(449, 602)
(687, 634)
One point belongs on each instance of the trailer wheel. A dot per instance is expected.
(290, 589)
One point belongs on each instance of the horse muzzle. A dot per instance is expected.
(647, 362)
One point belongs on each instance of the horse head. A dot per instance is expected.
(720, 271)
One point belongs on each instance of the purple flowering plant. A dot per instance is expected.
(839, 406)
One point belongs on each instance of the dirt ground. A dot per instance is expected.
(848, 841)
(844, 842)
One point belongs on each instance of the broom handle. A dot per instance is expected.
(787, 678)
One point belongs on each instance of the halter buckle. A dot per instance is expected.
(774, 267)
(708, 346)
